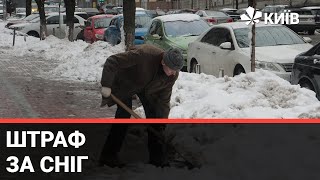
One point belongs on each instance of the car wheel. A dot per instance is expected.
(33, 33)
(193, 67)
(306, 84)
(238, 70)
(311, 32)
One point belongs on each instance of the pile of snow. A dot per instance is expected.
(254, 95)
(76, 60)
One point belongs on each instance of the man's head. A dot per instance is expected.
(172, 61)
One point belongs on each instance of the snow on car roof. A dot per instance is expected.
(242, 24)
(178, 17)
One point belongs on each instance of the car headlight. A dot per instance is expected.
(267, 66)
(99, 36)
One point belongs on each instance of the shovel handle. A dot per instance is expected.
(125, 107)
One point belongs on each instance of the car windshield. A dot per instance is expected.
(216, 13)
(35, 20)
(142, 21)
(102, 23)
(268, 36)
(185, 28)
(31, 17)
(315, 12)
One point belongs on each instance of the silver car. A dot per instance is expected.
(214, 17)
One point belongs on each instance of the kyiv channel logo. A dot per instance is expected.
(270, 18)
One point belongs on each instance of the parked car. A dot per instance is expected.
(273, 8)
(306, 20)
(24, 20)
(235, 16)
(242, 11)
(315, 10)
(118, 9)
(214, 17)
(111, 11)
(20, 10)
(95, 27)
(32, 27)
(182, 11)
(226, 46)
(104, 7)
(228, 10)
(175, 30)
(113, 33)
(155, 13)
(84, 15)
(306, 70)
(17, 16)
(91, 11)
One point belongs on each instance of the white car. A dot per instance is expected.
(32, 27)
(226, 47)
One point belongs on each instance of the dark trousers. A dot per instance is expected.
(118, 132)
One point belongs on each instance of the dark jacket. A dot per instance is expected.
(139, 71)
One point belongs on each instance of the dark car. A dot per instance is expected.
(235, 16)
(113, 33)
(306, 23)
(315, 10)
(306, 70)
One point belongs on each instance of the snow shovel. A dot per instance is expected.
(187, 161)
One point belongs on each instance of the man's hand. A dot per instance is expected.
(106, 92)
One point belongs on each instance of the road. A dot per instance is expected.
(25, 93)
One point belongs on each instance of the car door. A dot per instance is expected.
(152, 30)
(224, 57)
(308, 65)
(313, 63)
(53, 25)
(155, 36)
(206, 51)
(76, 25)
(113, 33)
(316, 70)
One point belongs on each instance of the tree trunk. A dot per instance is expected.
(250, 3)
(28, 7)
(129, 10)
(237, 4)
(70, 8)
(43, 22)
(253, 40)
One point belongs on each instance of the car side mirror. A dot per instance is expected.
(156, 36)
(307, 39)
(226, 45)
